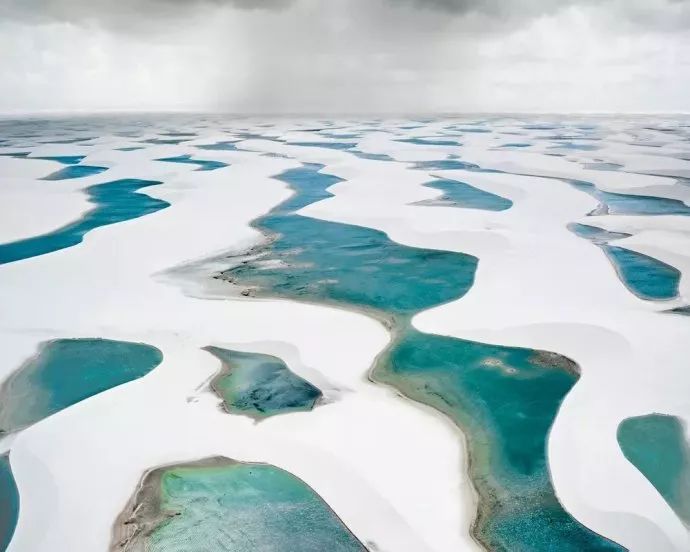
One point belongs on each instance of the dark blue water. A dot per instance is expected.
(204, 164)
(505, 399)
(260, 386)
(9, 503)
(646, 277)
(517, 145)
(461, 194)
(114, 202)
(67, 371)
(75, 171)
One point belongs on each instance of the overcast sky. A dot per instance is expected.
(345, 56)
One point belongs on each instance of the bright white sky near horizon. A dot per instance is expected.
(345, 56)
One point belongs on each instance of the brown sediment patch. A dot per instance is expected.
(143, 513)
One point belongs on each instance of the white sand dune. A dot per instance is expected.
(69, 468)
(542, 287)
(394, 471)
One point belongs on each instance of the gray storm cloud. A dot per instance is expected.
(645, 12)
(109, 11)
(346, 55)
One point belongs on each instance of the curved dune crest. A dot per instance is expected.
(502, 287)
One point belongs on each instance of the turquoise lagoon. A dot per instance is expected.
(461, 194)
(204, 164)
(574, 146)
(115, 202)
(505, 399)
(646, 277)
(429, 141)
(63, 159)
(70, 140)
(166, 141)
(219, 146)
(371, 156)
(75, 171)
(218, 505)
(67, 371)
(176, 134)
(656, 445)
(627, 204)
(602, 166)
(260, 386)
(341, 146)
(328, 261)
(446, 165)
(9, 503)
(335, 136)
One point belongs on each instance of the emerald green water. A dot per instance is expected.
(316, 260)
(505, 399)
(67, 371)
(260, 385)
(9, 503)
(234, 507)
(656, 445)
